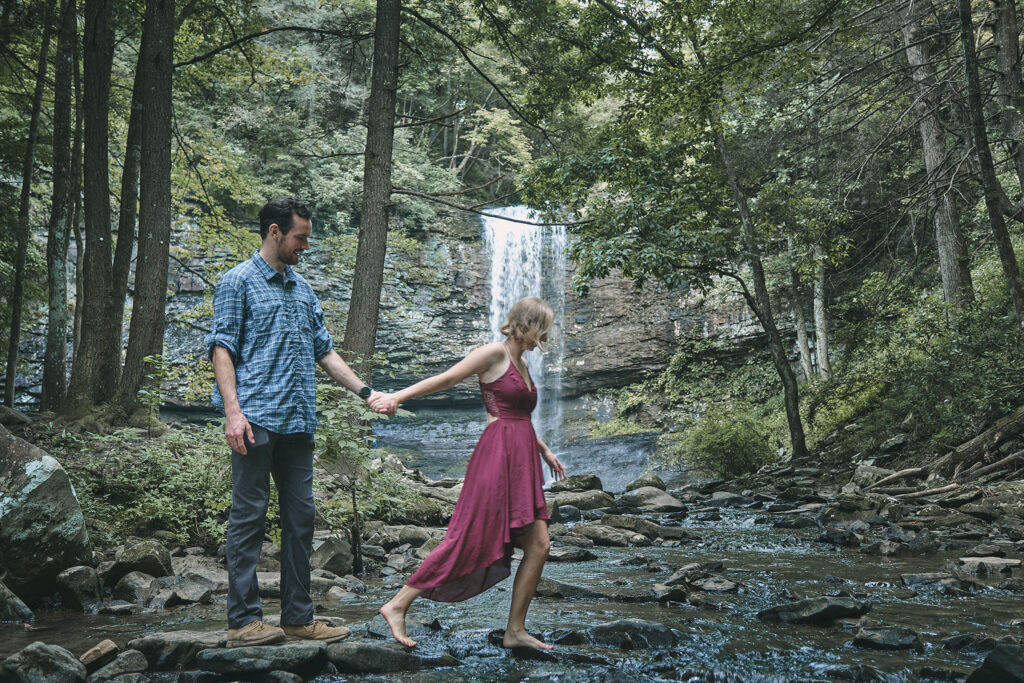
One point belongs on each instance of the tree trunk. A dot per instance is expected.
(761, 305)
(820, 315)
(146, 336)
(98, 360)
(798, 314)
(76, 221)
(61, 215)
(1009, 82)
(989, 181)
(368, 275)
(22, 228)
(954, 261)
(128, 211)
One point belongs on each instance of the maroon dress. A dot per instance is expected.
(501, 494)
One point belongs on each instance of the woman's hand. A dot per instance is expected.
(385, 404)
(554, 464)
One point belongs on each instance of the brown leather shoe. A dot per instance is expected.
(254, 633)
(318, 630)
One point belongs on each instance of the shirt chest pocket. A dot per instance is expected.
(264, 316)
(302, 315)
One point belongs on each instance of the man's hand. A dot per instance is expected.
(236, 429)
(383, 403)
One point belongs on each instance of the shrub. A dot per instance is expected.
(722, 443)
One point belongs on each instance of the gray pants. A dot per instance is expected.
(289, 458)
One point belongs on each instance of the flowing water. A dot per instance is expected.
(729, 641)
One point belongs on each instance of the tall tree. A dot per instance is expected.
(820, 315)
(799, 320)
(61, 214)
(146, 335)
(368, 276)
(989, 181)
(98, 361)
(1009, 82)
(954, 261)
(22, 227)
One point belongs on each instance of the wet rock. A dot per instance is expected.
(985, 550)
(713, 516)
(570, 555)
(795, 522)
(181, 591)
(415, 627)
(577, 482)
(652, 499)
(176, 650)
(214, 578)
(415, 536)
(988, 565)
(12, 608)
(79, 588)
(925, 579)
(128, 662)
(714, 584)
(815, 610)
(42, 663)
(134, 587)
(333, 554)
(866, 475)
(118, 608)
(633, 634)
(576, 541)
(981, 511)
(549, 588)
(146, 556)
(601, 534)
(646, 480)
(1004, 664)
(372, 657)
(666, 593)
(886, 548)
(303, 658)
(727, 499)
(374, 552)
(99, 655)
(840, 537)
(568, 513)
(1015, 584)
(42, 530)
(567, 637)
(584, 500)
(888, 638)
(974, 644)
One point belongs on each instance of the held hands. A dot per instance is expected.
(383, 403)
(554, 464)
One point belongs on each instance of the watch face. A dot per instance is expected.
(365, 392)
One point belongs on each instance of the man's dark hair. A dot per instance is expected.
(280, 210)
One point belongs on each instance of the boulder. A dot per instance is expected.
(42, 663)
(981, 511)
(577, 482)
(9, 416)
(415, 536)
(666, 593)
(888, 638)
(584, 500)
(12, 608)
(176, 650)
(373, 657)
(570, 555)
(646, 480)
(128, 662)
(727, 499)
(840, 537)
(146, 556)
(795, 522)
(214, 578)
(79, 588)
(601, 534)
(99, 655)
(974, 644)
(651, 499)
(184, 591)
(134, 587)
(988, 565)
(815, 610)
(633, 634)
(42, 530)
(549, 588)
(866, 475)
(932, 579)
(334, 554)
(1004, 664)
(303, 658)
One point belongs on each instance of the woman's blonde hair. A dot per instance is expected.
(529, 320)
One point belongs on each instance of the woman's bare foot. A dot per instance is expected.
(395, 617)
(514, 639)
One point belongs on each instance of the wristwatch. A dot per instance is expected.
(365, 392)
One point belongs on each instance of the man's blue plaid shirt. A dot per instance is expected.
(273, 325)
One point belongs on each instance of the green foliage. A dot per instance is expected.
(725, 442)
(618, 426)
(382, 495)
(151, 393)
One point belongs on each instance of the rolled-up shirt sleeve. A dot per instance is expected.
(322, 341)
(227, 318)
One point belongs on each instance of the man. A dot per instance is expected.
(268, 330)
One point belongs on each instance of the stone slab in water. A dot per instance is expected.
(176, 650)
(888, 638)
(577, 482)
(990, 565)
(304, 658)
(653, 499)
(12, 608)
(375, 657)
(605, 535)
(414, 627)
(128, 662)
(974, 643)
(584, 500)
(1005, 664)
(815, 610)
(549, 588)
(633, 634)
(924, 579)
(570, 555)
(41, 662)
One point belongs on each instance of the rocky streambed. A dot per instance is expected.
(791, 581)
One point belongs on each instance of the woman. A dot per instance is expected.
(502, 502)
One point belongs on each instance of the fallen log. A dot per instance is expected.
(994, 466)
(928, 492)
(916, 472)
(897, 490)
(1003, 430)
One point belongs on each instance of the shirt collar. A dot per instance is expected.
(269, 272)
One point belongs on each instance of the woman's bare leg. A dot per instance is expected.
(535, 544)
(394, 613)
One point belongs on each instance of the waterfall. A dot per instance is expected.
(528, 260)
